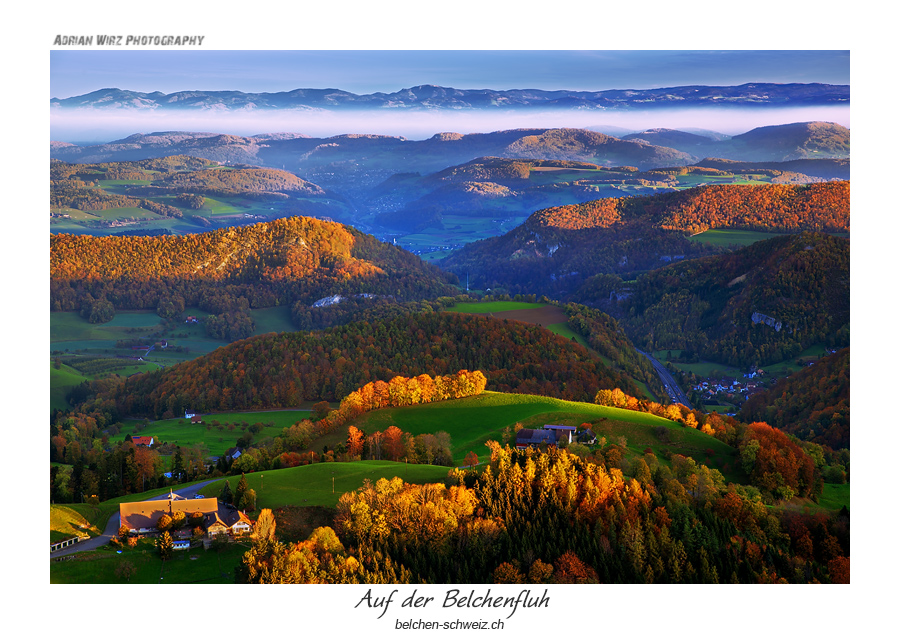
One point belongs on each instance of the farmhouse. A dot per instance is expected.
(567, 430)
(550, 434)
(141, 517)
(227, 522)
(189, 413)
(142, 441)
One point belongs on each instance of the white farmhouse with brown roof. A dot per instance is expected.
(228, 522)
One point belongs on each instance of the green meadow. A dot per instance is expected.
(473, 421)
(218, 439)
(194, 566)
(482, 308)
(79, 520)
(61, 381)
(732, 237)
(775, 370)
(323, 483)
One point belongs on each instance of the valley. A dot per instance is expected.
(401, 360)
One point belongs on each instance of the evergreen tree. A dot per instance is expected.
(226, 496)
(240, 492)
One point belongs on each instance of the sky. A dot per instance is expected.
(76, 72)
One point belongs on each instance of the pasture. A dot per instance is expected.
(732, 237)
(217, 438)
(483, 308)
(193, 566)
(472, 421)
(707, 368)
(61, 381)
(79, 520)
(323, 483)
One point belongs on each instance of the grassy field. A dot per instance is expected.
(471, 422)
(71, 333)
(568, 333)
(79, 520)
(217, 439)
(193, 566)
(60, 382)
(732, 237)
(311, 485)
(483, 308)
(835, 496)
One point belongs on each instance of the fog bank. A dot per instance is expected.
(94, 126)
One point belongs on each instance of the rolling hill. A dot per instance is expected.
(295, 260)
(787, 142)
(557, 249)
(283, 370)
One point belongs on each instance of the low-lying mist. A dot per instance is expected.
(95, 126)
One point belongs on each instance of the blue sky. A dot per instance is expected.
(75, 72)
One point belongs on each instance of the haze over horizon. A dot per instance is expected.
(80, 72)
(81, 127)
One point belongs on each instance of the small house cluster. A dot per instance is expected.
(732, 389)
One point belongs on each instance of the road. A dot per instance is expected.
(672, 388)
(112, 526)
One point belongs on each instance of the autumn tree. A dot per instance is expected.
(164, 545)
(355, 441)
(264, 528)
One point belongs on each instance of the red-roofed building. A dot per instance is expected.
(142, 441)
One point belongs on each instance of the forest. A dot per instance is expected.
(813, 404)
(294, 261)
(800, 284)
(553, 517)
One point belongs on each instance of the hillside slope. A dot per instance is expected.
(812, 404)
(276, 371)
(295, 260)
(756, 306)
(558, 249)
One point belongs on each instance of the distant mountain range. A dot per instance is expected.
(653, 148)
(430, 97)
